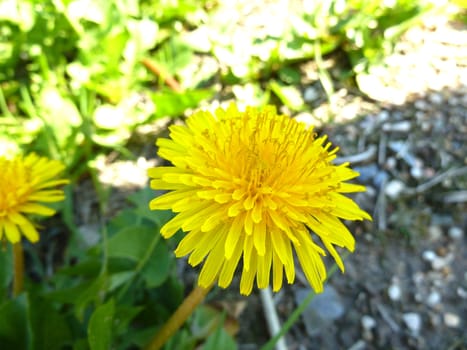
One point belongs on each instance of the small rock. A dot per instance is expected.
(310, 94)
(391, 163)
(359, 345)
(455, 232)
(438, 263)
(453, 101)
(425, 126)
(416, 172)
(418, 278)
(434, 298)
(380, 178)
(367, 172)
(429, 255)
(394, 188)
(368, 322)
(394, 292)
(413, 321)
(442, 220)
(435, 232)
(451, 320)
(382, 116)
(403, 126)
(418, 297)
(436, 98)
(462, 292)
(323, 309)
(422, 105)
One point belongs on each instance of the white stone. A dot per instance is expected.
(434, 298)
(435, 232)
(310, 94)
(438, 263)
(391, 163)
(429, 255)
(394, 292)
(436, 98)
(368, 322)
(359, 345)
(402, 126)
(421, 104)
(413, 321)
(382, 116)
(462, 292)
(416, 172)
(455, 232)
(394, 188)
(451, 320)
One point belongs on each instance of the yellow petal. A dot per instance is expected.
(213, 265)
(248, 276)
(277, 272)
(30, 232)
(11, 231)
(37, 209)
(230, 264)
(235, 233)
(264, 267)
(259, 237)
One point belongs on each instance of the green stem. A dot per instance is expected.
(178, 318)
(294, 316)
(140, 265)
(4, 106)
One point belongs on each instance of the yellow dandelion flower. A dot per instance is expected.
(254, 185)
(25, 182)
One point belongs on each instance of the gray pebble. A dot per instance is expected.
(394, 188)
(413, 321)
(394, 292)
(434, 298)
(451, 320)
(368, 322)
(455, 232)
(429, 255)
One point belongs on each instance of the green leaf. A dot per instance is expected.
(173, 104)
(90, 267)
(117, 279)
(6, 267)
(52, 334)
(158, 267)
(182, 340)
(290, 75)
(122, 318)
(14, 332)
(220, 340)
(100, 326)
(81, 295)
(131, 242)
(141, 199)
(289, 95)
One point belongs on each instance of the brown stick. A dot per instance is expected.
(160, 72)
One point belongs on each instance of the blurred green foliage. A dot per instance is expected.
(73, 86)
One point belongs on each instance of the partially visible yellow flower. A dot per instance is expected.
(254, 185)
(25, 182)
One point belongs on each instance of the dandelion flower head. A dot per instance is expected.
(255, 186)
(25, 183)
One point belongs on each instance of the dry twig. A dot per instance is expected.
(160, 72)
(271, 317)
